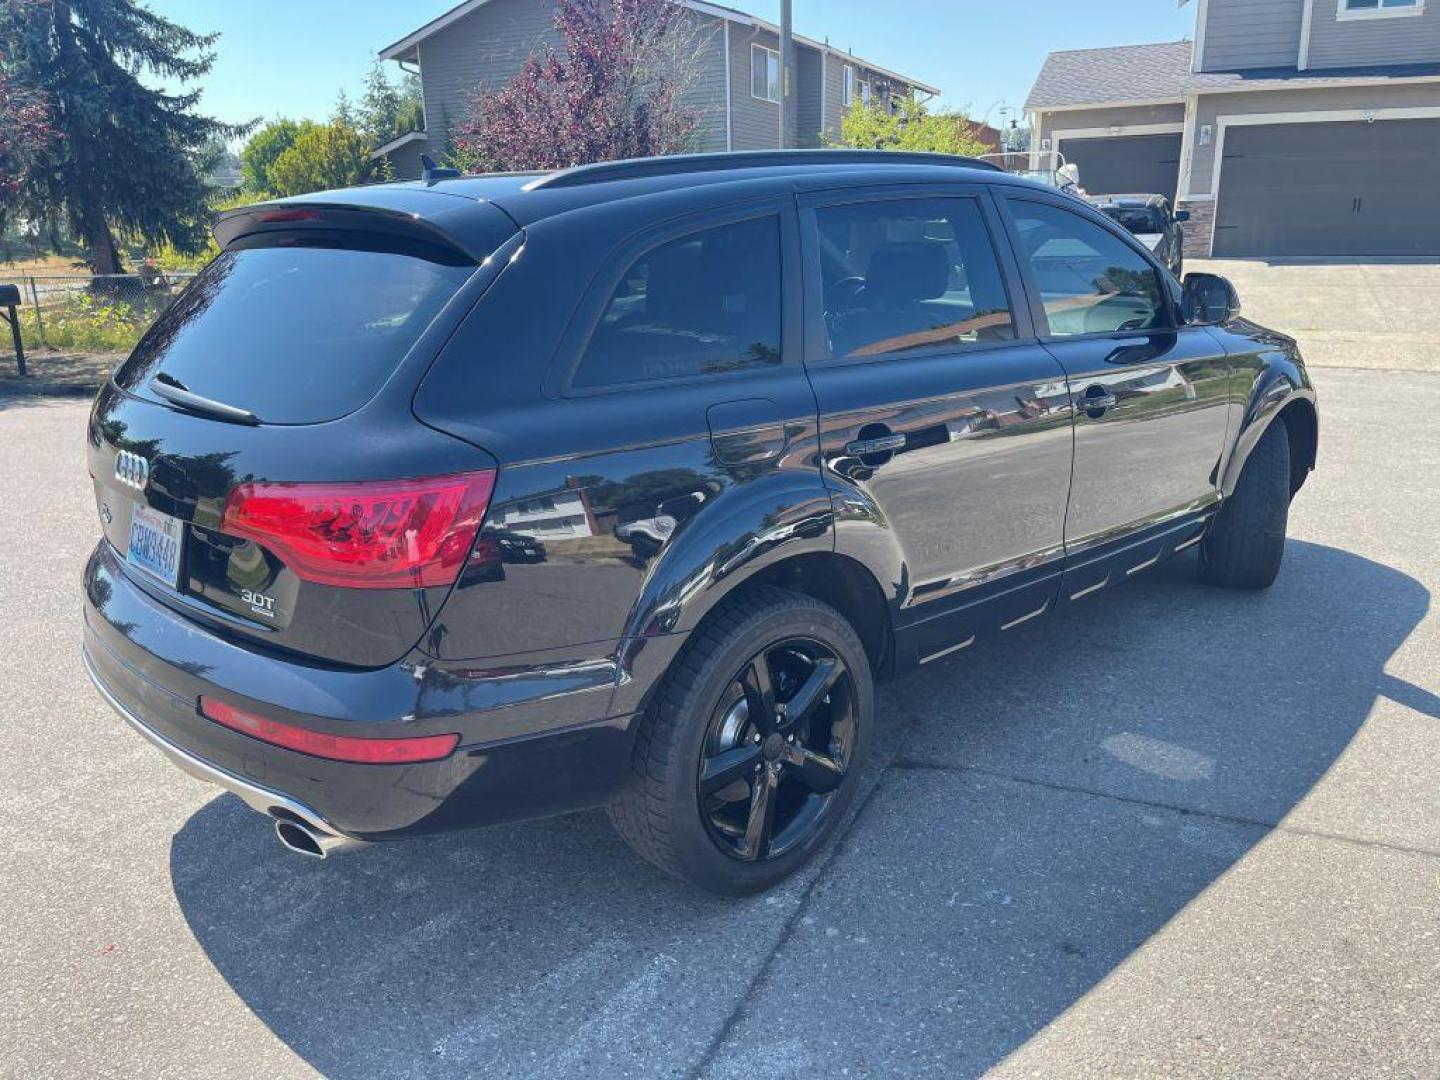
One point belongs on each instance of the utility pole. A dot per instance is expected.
(787, 76)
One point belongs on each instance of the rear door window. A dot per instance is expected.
(295, 334)
(705, 304)
(907, 275)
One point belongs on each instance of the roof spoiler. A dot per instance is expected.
(467, 228)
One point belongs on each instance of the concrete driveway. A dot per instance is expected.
(1377, 313)
(1170, 831)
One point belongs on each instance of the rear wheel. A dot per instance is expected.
(1246, 542)
(753, 748)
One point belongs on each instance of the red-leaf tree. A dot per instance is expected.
(614, 89)
(24, 132)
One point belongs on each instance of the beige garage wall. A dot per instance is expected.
(1047, 123)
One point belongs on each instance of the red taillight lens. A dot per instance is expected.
(391, 534)
(334, 747)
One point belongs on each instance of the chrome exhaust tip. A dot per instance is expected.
(312, 843)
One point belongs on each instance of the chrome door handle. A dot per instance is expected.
(884, 444)
(1096, 400)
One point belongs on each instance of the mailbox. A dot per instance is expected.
(9, 301)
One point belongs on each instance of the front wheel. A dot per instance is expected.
(752, 751)
(1246, 542)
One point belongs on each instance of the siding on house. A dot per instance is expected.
(754, 122)
(809, 95)
(484, 49)
(487, 48)
(833, 100)
(1405, 39)
(406, 160)
(1241, 34)
(702, 47)
(1047, 123)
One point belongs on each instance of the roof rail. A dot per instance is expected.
(635, 168)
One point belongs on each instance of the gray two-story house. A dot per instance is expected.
(733, 79)
(1286, 128)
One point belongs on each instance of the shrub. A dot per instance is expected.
(93, 322)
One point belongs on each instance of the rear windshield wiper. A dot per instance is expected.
(174, 391)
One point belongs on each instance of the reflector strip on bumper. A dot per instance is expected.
(257, 798)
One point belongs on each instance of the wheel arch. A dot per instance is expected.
(1282, 395)
(1302, 425)
(745, 545)
(847, 586)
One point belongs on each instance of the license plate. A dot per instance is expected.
(155, 541)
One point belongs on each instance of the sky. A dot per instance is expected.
(292, 57)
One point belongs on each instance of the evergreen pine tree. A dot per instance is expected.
(127, 157)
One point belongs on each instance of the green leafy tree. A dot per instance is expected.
(262, 150)
(127, 158)
(388, 109)
(344, 112)
(323, 156)
(911, 126)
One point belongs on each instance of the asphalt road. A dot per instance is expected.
(1170, 831)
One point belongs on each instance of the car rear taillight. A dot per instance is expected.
(335, 747)
(388, 534)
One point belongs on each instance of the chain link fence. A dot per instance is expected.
(92, 313)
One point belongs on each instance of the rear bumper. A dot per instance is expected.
(272, 803)
(535, 741)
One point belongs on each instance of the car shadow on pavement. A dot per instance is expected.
(1060, 795)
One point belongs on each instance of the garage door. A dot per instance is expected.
(1348, 188)
(1127, 164)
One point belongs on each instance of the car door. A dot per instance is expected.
(942, 418)
(1150, 394)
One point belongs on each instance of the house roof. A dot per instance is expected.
(405, 48)
(399, 141)
(1155, 74)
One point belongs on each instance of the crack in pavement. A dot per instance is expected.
(900, 764)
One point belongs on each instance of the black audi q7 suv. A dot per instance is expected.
(472, 499)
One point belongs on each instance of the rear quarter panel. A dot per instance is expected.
(647, 516)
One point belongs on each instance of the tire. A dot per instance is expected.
(664, 812)
(1246, 542)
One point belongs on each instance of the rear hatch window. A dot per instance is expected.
(299, 332)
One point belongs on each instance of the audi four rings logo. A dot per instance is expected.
(132, 469)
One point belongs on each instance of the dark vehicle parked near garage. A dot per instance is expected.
(905, 401)
(1150, 219)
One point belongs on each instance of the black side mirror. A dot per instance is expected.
(1209, 300)
(1182, 216)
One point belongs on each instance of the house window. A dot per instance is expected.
(764, 73)
(865, 91)
(849, 92)
(1373, 9)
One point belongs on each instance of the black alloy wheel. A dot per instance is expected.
(748, 759)
(777, 749)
